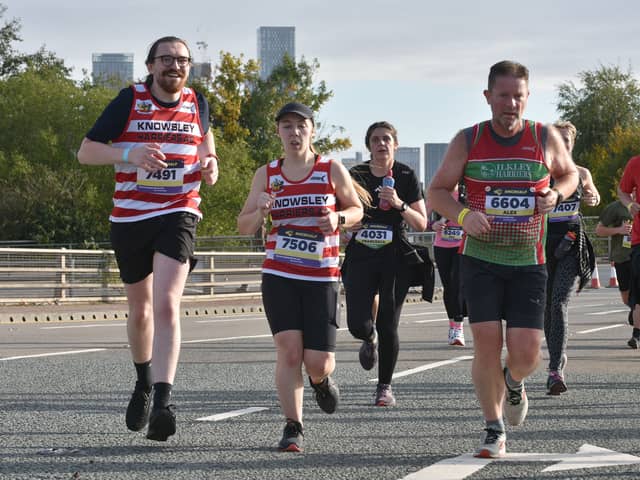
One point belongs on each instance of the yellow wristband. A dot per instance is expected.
(463, 213)
(629, 206)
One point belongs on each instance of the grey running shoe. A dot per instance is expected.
(516, 404)
(292, 437)
(162, 423)
(327, 394)
(138, 409)
(633, 343)
(369, 352)
(493, 444)
(384, 396)
(555, 383)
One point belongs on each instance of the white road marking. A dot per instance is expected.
(607, 312)
(429, 366)
(588, 456)
(589, 306)
(220, 320)
(423, 314)
(601, 328)
(234, 413)
(222, 339)
(432, 321)
(71, 352)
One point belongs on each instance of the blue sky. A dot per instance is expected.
(419, 64)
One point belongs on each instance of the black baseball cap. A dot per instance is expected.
(297, 108)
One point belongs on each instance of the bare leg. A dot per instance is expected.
(486, 369)
(289, 382)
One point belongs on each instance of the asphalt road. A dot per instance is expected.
(65, 386)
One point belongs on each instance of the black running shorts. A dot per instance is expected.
(516, 294)
(135, 243)
(623, 273)
(309, 306)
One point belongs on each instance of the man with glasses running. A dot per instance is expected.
(156, 135)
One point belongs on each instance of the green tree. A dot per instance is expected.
(608, 161)
(608, 98)
(290, 81)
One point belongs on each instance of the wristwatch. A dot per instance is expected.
(403, 207)
(342, 219)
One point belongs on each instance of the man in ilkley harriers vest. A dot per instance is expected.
(506, 164)
(156, 135)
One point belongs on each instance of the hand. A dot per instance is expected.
(148, 156)
(209, 170)
(389, 194)
(264, 203)
(625, 228)
(634, 208)
(476, 223)
(438, 225)
(546, 200)
(328, 222)
(355, 227)
(590, 198)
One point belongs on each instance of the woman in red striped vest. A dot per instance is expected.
(156, 135)
(308, 197)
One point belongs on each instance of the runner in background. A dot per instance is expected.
(448, 238)
(615, 222)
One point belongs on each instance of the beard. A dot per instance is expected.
(171, 84)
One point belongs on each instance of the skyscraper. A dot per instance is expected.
(433, 155)
(112, 69)
(410, 156)
(273, 44)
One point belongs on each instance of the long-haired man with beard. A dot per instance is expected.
(156, 135)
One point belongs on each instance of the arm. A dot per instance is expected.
(208, 159)
(447, 177)
(591, 195)
(562, 169)
(415, 215)
(627, 200)
(257, 205)
(348, 201)
(602, 231)
(148, 156)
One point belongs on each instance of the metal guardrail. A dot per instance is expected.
(60, 275)
(30, 275)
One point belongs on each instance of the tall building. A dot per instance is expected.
(200, 71)
(433, 155)
(112, 69)
(349, 162)
(273, 44)
(410, 156)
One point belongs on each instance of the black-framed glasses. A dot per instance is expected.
(167, 60)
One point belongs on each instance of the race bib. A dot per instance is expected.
(565, 211)
(626, 241)
(299, 247)
(375, 235)
(510, 205)
(452, 234)
(165, 182)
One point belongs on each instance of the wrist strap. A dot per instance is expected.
(125, 155)
(463, 213)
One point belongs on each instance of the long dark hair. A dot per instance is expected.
(151, 56)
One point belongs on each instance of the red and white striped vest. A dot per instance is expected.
(139, 195)
(296, 248)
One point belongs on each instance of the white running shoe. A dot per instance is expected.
(492, 445)
(516, 404)
(456, 334)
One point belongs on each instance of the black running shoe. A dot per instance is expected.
(162, 423)
(327, 394)
(368, 354)
(138, 408)
(292, 437)
(633, 343)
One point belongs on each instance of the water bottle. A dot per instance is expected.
(387, 181)
(565, 244)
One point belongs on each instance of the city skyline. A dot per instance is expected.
(419, 65)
